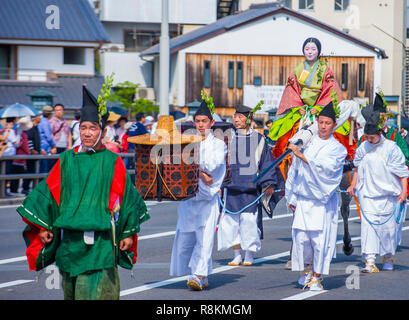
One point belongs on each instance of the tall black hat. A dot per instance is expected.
(203, 111)
(329, 112)
(372, 123)
(89, 111)
(378, 104)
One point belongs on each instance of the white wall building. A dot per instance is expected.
(134, 25)
(267, 32)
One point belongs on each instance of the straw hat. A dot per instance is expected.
(166, 133)
(113, 116)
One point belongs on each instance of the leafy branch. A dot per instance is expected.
(105, 95)
(209, 101)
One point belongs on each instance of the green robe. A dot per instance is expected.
(78, 195)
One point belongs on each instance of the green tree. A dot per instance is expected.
(124, 93)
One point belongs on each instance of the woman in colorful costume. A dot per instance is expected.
(85, 215)
(308, 90)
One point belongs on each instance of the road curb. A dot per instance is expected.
(11, 201)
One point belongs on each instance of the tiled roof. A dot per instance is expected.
(68, 90)
(26, 20)
(230, 22)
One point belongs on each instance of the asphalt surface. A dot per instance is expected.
(267, 279)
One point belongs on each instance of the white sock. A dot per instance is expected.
(237, 252)
(249, 256)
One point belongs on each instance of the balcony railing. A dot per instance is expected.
(27, 74)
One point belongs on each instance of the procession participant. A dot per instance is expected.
(197, 216)
(311, 187)
(380, 181)
(309, 88)
(248, 155)
(380, 105)
(85, 215)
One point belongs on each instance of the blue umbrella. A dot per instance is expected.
(118, 110)
(18, 110)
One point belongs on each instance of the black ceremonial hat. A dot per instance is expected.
(203, 111)
(378, 104)
(329, 112)
(243, 109)
(89, 111)
(372, 123)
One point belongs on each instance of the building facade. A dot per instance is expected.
(134, 25)
(260, 47)
(53, 50)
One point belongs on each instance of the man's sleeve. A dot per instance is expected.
(266, 159)
(39, 211)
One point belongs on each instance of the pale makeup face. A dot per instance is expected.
(311, 52)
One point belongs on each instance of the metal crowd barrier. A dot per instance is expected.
(37, 175)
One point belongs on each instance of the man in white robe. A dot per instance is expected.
(197, 216)
(311, 193)
(240, 226)
(380, 181)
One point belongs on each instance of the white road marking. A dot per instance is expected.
(300, 296)
(168, 233)
(4, 261)
(184, 278)
(157, 235)
(304, 295)
(14, 283)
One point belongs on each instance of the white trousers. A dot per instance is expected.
(192, 251)
(239, 229)
(382, 239)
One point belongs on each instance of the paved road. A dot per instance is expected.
(266, 280)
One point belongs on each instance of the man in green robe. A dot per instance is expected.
(85, 215)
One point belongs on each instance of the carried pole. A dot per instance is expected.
(164, 61)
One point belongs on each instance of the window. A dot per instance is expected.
(239, 75)
(230, 80)
(344, 76)
(4, 62)
(341, 5)
(361, 77)
(288, 3)
(257, 81)
(74, 55)
(306, 4)
(207, 74)
(138, 41)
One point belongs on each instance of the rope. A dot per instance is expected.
(246, 207)
(162, 179)
(387, 219)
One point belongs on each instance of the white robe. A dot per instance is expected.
(197, 216)
(379, 168)
(311, 188)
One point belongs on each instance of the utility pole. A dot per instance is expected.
(164, 61)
